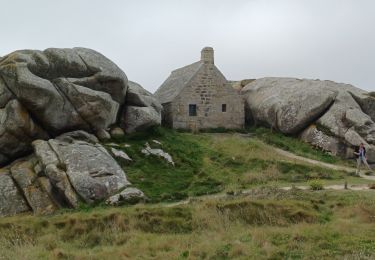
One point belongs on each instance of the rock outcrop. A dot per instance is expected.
(127, 196)
(46, 93)
(121, 155)
(60, 173)
(50, 103)
(286, 104)
(333, 116)
(158, 153)
(141, 111)
(11, 200)
(17, 131)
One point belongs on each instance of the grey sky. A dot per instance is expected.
(319, 39)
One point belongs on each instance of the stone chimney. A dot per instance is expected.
(207, 55)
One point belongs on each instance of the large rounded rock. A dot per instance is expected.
(140, 118)
(290, 105)
(50, 102)
(62, 172)
(46, 93)
(138, 96)
(141, 111)
(40, 81)
(88, 167)
(97, 108)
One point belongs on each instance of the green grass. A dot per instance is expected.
(294, 145)
(160, 180)
(267, 224)
(316, 185)
(209, 163)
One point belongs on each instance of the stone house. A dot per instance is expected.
(198, 96)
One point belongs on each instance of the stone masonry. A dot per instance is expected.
(204, 87)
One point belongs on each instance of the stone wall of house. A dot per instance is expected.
(208, 90)
(167, 115)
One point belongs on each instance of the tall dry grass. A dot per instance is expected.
(293, 225)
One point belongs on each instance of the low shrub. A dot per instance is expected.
(316, 185)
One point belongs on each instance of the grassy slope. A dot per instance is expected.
(210, 163)
(268, 224)
(296, 146)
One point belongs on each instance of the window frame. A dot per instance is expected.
(192, 110)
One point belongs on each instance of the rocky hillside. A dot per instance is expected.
(332, 116)
(59, 108)
(50, 103)
(258, 203)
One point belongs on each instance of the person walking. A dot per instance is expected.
(361, 158)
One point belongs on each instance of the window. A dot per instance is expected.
(192, 110)
(224, 108)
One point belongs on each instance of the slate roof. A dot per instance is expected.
(176, 82)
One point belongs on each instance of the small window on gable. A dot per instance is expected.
(224, 108)
(192, 109)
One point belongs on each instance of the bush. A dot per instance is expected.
(316, 185)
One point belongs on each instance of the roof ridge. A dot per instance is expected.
(184, 67)
(176, 82)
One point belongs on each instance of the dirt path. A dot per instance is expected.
(319, 163)
(313, 162)
(354, 187)
(334, 187)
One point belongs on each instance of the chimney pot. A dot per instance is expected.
(207, 55)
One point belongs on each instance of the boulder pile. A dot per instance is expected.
(141, 111)
(333, 116)
(60, 172)
(51, 102)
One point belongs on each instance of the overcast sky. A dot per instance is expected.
(318, 39)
